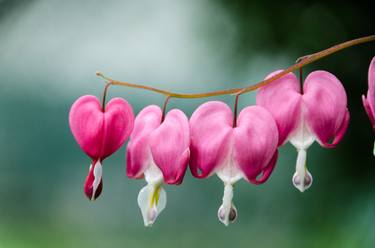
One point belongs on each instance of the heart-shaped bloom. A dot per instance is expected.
(369, 102)
(248, 150)
(99, 134)
(318, 113)
(158, 151)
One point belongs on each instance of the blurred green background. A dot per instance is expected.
(49, 52)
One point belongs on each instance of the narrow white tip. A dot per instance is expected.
(227, 212)
(302, 179)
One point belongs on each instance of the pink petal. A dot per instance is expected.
(371, 85)
(100, 134)
(255, 143)
(369, 103)
(369, 112)
(326, 110)
(340, 133)
(169, 145)
(282, 98)
(137, 152)
(210, 136)
(86, 123)
(119, 122)
(266, 173)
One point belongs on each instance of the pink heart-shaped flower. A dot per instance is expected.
(99, 133)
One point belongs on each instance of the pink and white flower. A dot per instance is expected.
(248, 150)
(99, 133)
(318, 113)
(158, 151)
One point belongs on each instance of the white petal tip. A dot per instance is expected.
(227, 215)
(302, 186)
(301, 189)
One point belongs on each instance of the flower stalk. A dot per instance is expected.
(301, 62)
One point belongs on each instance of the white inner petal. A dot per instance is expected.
(227, 207)
(302, 179)
(97, 178)
(153, 174)
(152, 198)
(302, 137)
(229, 171)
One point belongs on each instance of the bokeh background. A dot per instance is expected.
(49, 52)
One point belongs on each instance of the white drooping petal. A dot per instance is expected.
(98, 171)
(152, 198)
(229, 173)
(302, 138)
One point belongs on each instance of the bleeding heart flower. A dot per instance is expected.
(318, 113)
(248, 150)
(99, 133)
(159, 151)
(369, 102)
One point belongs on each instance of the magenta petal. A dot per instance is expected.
(137, 152)
(119, 122)
(169, 145)
(210, 136)
(340, 133)
(100, 134)
(266, 173)
(255, 143)
(326, 110)
(282, 98)
(369, 103)
(371, 85)
(86, 123)
(369, 112)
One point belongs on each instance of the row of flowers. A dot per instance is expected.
(214, 141)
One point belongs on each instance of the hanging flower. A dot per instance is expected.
(369, 102)
(159, 151)
(318, 113)
(99, 133)
(248, 150)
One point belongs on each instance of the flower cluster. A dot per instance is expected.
(215, 140)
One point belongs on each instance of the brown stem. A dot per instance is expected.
(305, 60)
(165, 108)
(105, 94)
(235, 109)
(169, 93)
(301, 62)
